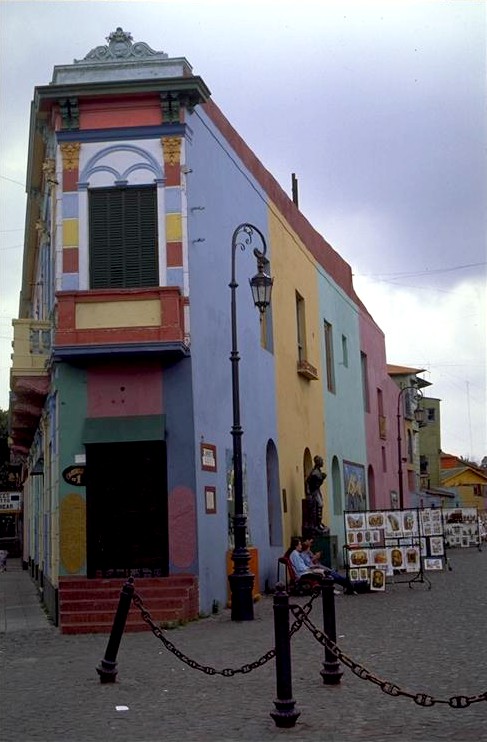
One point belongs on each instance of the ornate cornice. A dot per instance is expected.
(70, 155)
(172, 150)
(120, 47)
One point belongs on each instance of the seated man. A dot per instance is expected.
(303, 561)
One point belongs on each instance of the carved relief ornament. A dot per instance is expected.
(70, 155)
(172, 150)
(49, 169)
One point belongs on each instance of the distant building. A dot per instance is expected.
(466, 481)
(409, 417)
(430, 443)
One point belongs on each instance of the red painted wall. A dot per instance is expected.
(124, 390)
(118, 112)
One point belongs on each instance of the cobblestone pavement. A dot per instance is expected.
(431, 641)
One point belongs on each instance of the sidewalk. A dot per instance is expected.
(20, 607)
(431, 641)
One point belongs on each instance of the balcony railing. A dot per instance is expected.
(31, 347)
(119, 317)
(307, 370)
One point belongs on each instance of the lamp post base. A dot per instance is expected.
(285, 716)
(241, 588)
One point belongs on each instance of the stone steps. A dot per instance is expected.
(90, 605)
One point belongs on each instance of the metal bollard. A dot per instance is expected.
(107, 669)
(331, 672)
(285, 715)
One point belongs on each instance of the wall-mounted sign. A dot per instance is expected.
(210, 499)
(208, 457)
(10, 500)
(75, 475)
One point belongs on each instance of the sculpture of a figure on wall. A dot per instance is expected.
(314, 497)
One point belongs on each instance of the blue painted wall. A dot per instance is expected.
(222, 194)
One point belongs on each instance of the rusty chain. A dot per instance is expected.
(421, 699)
(208, 670)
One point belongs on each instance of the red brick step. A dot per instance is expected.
(89, 605)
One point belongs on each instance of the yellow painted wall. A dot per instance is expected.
(299, 401)
(29, 357)
(70, 233)
(174, 232)
(464, 482)
(144, 313)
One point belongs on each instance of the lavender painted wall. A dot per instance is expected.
(221, 194)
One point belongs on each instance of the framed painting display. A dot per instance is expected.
(377, 579)
(393, 525)
(379, 557)
(363, 574)
(433, 563)
(355, 489)
(412, 558)
(397, 557)
(359, 558)
(375, 520)
(436, 546)
(409, 523)
(355, 521)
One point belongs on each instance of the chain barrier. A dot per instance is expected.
(421, 699)
(227, 672)
(301, 618)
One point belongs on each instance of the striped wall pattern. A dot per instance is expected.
(70, 261)
(171, 147)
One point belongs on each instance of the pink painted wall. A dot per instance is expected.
(373, 344)
(124, 390)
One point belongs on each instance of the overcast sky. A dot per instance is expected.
(380, 110)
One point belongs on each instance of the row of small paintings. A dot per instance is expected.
(461, 515)
(393, 524)
(397, 557)
(455, 540)
(463, 530)
(375, 576)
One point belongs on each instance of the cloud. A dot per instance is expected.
(443, 332)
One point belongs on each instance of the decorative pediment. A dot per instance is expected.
(120, 47)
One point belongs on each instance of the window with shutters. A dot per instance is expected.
(123, 237)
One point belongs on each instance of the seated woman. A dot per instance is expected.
(304, 561)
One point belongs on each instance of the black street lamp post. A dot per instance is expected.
(418, 416)
(241, 580)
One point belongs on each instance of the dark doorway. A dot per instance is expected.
(127, 509)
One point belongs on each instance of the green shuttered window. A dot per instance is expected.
(123, 238)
